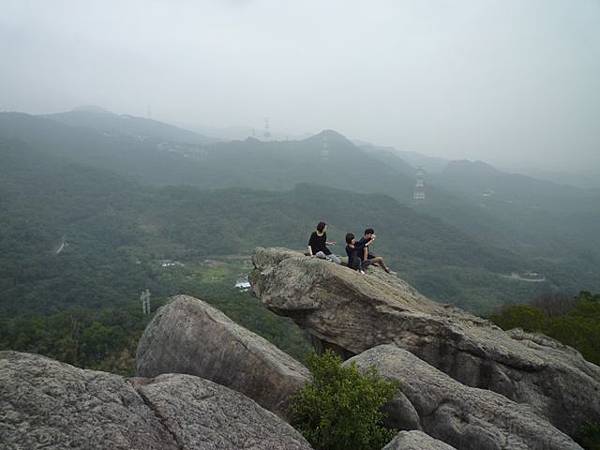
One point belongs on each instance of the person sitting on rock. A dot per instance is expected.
(354, 260)
(364, 251)
(317, 244)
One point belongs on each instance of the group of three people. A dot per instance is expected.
(359, 252)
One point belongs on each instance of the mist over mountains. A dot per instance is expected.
(96, 207)
(300, 225)
(520, 224)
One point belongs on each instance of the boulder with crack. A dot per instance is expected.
(52, 405)
(189, 336)
(202, 414)
(464, 417)
(353, 313)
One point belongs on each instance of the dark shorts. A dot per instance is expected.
(371, 256)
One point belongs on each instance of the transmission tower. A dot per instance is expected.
(267, 133)
(145, 298)
(419, 192)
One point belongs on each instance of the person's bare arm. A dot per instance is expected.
(310, 250)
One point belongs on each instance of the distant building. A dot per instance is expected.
(243, 284)
(419, 192)
(168, 263)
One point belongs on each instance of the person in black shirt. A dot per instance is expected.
(354, 261)
(317, 244)
(364, 252)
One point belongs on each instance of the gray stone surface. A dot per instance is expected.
(416, 440)
(401, 414)
(191, 337)
(50, 405)
(353, 313)
(465, 417)
(205, 415)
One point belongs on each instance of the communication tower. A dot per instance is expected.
(267, 134)
(419, 192)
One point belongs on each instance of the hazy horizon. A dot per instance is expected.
(512, 83)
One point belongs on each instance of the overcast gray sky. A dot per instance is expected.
(507, 81)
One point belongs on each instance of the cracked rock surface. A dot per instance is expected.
(189, 336)
(205, 415)
(51, 405)
(352, 313)
(464, 417)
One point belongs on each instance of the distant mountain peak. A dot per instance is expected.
(92, 109)
(330, 136)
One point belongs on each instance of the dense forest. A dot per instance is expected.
(115, 231)
(89, 214)
(551, 227)
(574, 321)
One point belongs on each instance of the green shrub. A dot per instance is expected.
(341, 407)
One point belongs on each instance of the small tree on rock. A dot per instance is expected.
(341, 408)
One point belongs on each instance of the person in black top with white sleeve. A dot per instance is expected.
(363, 250)
(317, 244)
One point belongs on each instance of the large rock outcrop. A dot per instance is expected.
(52, 405)
(464, 417)
(354, 313)
(191, 337)
(416, 440)
(202, 414)
(47, 404)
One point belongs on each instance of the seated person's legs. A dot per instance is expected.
(334, 258)
(378, 261)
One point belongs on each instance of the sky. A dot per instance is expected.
(511, 82)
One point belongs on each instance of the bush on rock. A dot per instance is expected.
(341, 407)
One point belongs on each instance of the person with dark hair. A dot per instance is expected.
(354, 261)
(317, 244)
(364, 251)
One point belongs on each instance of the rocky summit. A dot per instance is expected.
(352, 313)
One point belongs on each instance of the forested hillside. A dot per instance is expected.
(552, 223)
(116, 230)
(89, 217)
(78, 244)
(140, 128)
